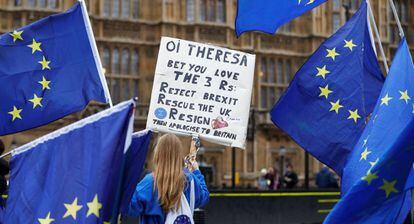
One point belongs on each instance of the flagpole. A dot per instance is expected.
(371, 14)
(397, 18)
(402, 35)
(95, 53)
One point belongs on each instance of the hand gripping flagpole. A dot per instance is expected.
(371, 14)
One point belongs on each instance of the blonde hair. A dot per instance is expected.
(169, 178)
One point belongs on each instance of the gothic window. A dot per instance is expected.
(115, 62)
(336, 5)
(190, 10)
(17, 2)
(210, 11)
(135, 63)
(107, 8)
(42, 3)
(125, 8)
(115, 8)
(31, 3)
(279, 71)
(52, 4)
(135, 9)
(106, 59)
(203, 10)
(221, 11)
(125, 61)
(336, 22)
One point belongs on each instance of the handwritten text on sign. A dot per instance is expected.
(202, 89)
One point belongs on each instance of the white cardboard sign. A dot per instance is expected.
(202, 90)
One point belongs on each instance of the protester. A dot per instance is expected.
(4, 170)
(326, 179)
(290, 178)
(167, 194)
(262, 181)
(270, 177)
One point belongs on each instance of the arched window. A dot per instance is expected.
(107, 8)
(125, 8)
(125, 61)
(190, 10)
(336, 5)
(115, 62)
(135, 63)
(115, 8)
(106, 60)
(221, 11)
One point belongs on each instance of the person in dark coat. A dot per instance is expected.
(326, 179)
(290, 178)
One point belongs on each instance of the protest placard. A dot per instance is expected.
(202, 89)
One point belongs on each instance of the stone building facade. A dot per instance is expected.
(128, 33)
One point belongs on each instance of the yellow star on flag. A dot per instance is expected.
(35, 46)
(365, 154)
(405, 96)
(94, 207)
(332, 53)
(45, 83)
(44, 63)
(46, 220)
(365, 141)
(336, 106)
(17, 35)
(370, 177)
(310, 2)
(72, 209)
(354, 115)
(374, 163)
(350, 45)
(388, 187)
(16, 113)
(325, 91)
(322, 72)
(37, 101)
(385, 100)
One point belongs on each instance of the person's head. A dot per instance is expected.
(169, 178)
(271, 170)
(289, 168)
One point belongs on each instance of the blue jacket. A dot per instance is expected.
(144, 202)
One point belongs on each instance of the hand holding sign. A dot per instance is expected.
(202, 89)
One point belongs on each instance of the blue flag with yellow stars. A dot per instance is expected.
(134, 164)
(325, 107)
(375, 177)
(71, 175)
(268, 15)
(49, 69)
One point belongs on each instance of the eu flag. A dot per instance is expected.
(375, 177)
(268, 15)
(325, 107)
(72, 174)
(134, 164)
(48, 69)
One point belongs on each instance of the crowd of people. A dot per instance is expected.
(272, 179)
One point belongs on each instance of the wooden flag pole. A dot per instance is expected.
(384, 58)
